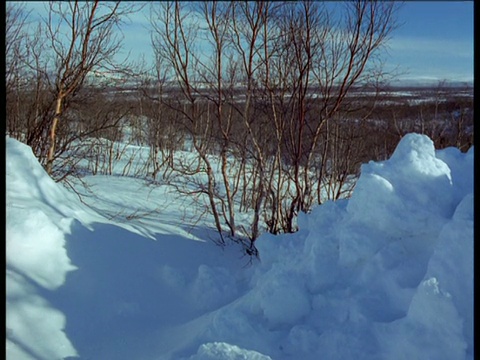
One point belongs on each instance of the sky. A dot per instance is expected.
(433, 42)
(132, 272)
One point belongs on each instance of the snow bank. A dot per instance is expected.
(387, 274)
(36, 257)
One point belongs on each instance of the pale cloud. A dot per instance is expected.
(425, 58)
(437, 47)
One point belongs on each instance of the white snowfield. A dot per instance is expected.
(386, 274)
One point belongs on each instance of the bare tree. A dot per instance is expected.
(28, 102)
(338, 56)
(15, 55)
(249, 20)
(83, 39)
(217, 16)
(15, 37)
(173, 40)
(277, 75)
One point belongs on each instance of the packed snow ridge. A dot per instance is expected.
(386, 274)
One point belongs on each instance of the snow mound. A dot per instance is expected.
(385, 274)
(224, 351)
(409, 183)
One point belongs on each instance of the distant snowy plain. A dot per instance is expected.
(127, 274)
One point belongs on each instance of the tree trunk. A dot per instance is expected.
(53, 131)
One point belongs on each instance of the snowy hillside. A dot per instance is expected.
(386, 274)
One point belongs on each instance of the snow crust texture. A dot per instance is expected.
(386, 274)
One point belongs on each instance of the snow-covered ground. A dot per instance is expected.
(386, 274)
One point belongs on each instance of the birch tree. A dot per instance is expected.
(84, 38)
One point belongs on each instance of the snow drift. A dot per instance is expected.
(386, 274)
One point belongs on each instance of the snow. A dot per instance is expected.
(386, 274)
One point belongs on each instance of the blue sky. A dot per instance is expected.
(433, 42)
